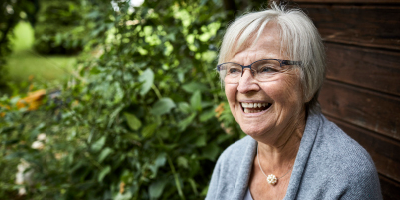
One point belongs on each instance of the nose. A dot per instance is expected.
(247, 83)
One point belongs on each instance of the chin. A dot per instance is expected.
(253, 131)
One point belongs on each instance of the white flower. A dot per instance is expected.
(21, 191)
(37, 145)
(42, 137)
(22, 176)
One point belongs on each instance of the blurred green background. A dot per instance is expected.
(24, 61)
(112, 99)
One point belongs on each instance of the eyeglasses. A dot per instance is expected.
(262, 70)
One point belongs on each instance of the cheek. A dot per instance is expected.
(287, 92)
(230, 91)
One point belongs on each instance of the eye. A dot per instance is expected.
(267, 69)
(234, 69)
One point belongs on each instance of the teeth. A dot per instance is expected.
(254, 105)
(247, 107)
(251, 111)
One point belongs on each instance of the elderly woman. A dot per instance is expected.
(272, 67)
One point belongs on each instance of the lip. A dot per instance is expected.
(253, 114)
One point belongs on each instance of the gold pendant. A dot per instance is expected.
(271, 179)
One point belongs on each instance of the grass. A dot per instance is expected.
(24, 61)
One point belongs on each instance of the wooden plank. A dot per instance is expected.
(363, 25)
(390, 189)
(384, 152)
(369, 68)
(371, 110)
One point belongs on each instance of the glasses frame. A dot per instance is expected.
(281, 62)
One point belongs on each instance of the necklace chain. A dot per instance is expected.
(258, 159)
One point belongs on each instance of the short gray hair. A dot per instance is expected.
(299, 37)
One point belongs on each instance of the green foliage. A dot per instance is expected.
(59, 29)
(11, 12)
(138, 120)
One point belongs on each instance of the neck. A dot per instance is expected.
(281, 152)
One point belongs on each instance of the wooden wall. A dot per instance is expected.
(361, 93)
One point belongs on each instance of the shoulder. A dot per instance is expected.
(340, 149)
(231, 167)
(345, 165)
(234, 155)
(235, 151)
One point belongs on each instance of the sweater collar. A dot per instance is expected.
(306, 143)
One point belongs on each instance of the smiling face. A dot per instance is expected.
(266, 110)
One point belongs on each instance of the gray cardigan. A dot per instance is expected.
(328, 165)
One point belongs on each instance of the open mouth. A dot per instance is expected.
(254, 107)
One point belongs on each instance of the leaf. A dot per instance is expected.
(184, 123)
(207, 115)
(149, 130)
(147, 78)
(103, 173)
(156, 188)
(133, 122)
(222, 138)
(183, 162)
(181, 77)
(162, 106)
(211, 152)
(194, 86)
(201, 141)
(107, 151)
(184, 107)
(114, 114)
(193, 184)
(204, 191)
(195, 100)
(99, 144)
(160, 160)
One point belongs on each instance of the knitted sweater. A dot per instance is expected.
(328, 165)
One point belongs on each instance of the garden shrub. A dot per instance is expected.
(59, 29)
(142, 118)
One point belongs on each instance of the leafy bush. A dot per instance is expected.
(142, 119)
(59, 29)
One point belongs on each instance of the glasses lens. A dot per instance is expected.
(231, 72)
(266, 69)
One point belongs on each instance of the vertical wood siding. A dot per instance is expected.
(361, 93)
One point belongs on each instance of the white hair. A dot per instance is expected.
(300, 41)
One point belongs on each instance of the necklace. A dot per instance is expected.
(271, 179)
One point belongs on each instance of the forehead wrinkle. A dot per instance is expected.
(248, 56)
